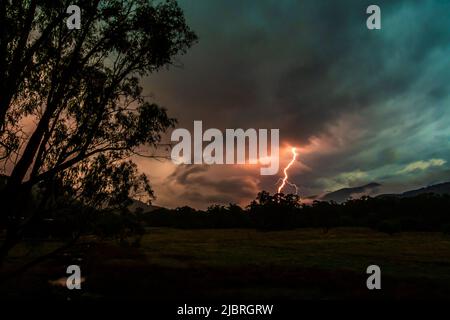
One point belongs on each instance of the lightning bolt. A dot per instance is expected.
(285, 180)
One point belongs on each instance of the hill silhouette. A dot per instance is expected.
(370, 189)
(344, 194)
(137, 206)
(440, 188)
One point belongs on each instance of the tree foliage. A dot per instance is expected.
(72, 110)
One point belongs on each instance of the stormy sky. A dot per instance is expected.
(361, 105)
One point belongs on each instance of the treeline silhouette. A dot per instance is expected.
(390, 214)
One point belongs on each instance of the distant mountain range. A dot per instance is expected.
(340, 195)
(344, 194)
(440, 188)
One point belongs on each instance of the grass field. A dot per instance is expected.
(246, 264)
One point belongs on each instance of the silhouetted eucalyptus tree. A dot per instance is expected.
(81, 87)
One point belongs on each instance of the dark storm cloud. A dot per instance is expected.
(312, 69)
(200, 185)
(348, 68)
(183, 173)
(199, 175)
